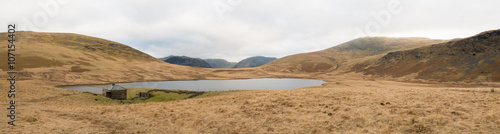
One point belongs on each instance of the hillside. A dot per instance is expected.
(65, 58)
(219, 63)
(344, 55)
(254, 62)
(53, 50)
(347, 103)
(475, 58)
(186, 61)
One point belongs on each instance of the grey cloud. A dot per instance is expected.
(254, 27)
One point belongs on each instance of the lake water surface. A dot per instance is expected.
(210, 85)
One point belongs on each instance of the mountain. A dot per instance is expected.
(186, 61)
(254, 62)
(66, 58)
(343, 56)
(54, 49)
(219, 63)
(476, 58)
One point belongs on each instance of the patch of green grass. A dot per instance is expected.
(133, 92)
(216, 93)
(159, 96)
(162, 97)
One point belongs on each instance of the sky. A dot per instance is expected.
(237, 29)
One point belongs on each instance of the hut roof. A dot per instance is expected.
(117, 87)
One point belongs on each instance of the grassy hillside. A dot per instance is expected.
(344, 55)
(475, 58)
(78, 59)
(57, 49)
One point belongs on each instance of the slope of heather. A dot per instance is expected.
(345, 54)
(65, 58)
(186, 61)
(220, 63)
(476, 58)
(254, 62)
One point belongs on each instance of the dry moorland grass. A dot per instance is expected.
(349, 103)
(341, 106)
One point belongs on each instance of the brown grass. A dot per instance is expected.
(345, 106)
(349, 103)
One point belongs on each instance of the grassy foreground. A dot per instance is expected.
(341, 106)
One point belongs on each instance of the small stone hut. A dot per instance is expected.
(115, 92)
(144, 95)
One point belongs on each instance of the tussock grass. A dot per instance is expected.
(30, 118)
(353, 105)
(408, 108)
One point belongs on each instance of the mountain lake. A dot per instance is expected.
(210, 85)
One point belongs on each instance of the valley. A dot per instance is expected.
(374, 85)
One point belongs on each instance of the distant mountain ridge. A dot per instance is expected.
(186, 61)
(220, 63)
(254, 62)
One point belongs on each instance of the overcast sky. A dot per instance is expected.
(237, 29)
